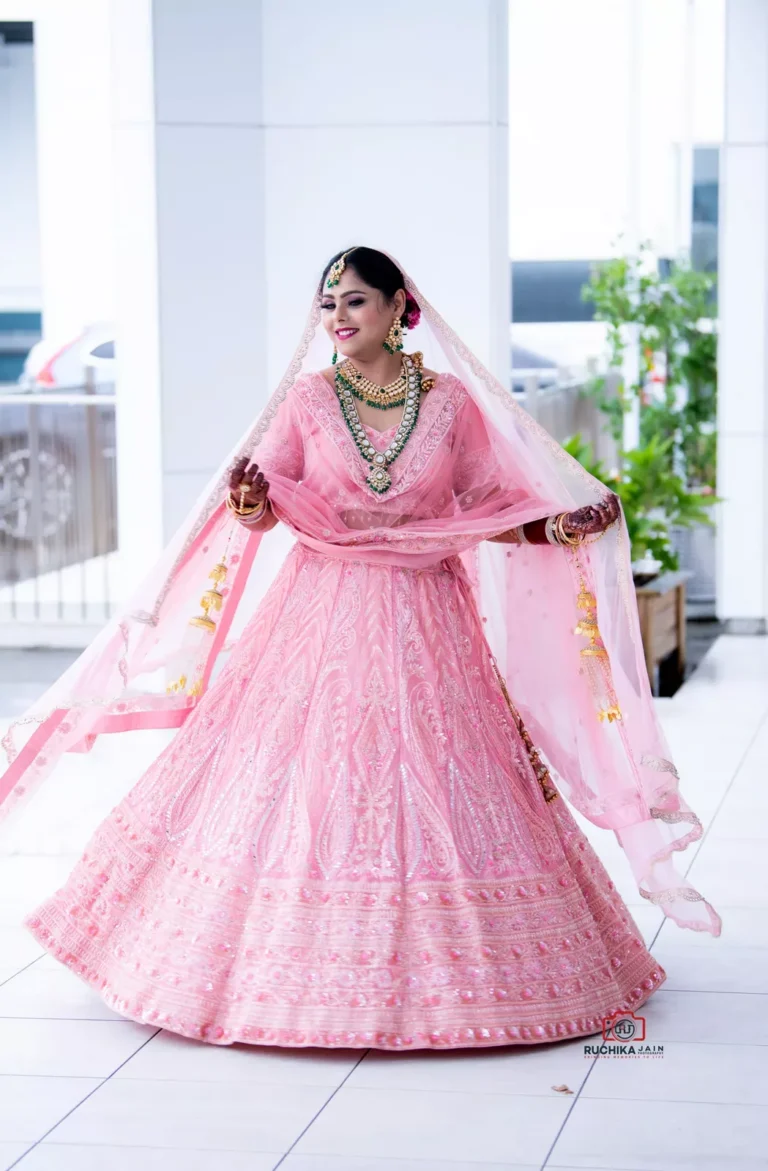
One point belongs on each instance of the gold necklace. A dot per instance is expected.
(381, 397)
(378, 478)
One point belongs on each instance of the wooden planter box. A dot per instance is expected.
(661, 606)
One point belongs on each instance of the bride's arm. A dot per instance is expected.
(594, 518)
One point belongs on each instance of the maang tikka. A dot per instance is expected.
(336, 270)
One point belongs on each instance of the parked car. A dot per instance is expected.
(84, 361)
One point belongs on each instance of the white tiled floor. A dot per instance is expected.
(83, 1090)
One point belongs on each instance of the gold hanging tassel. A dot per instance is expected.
(181, 685)
(212, 599)
(537, 764)
(595, 655)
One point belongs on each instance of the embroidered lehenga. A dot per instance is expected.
(357, 838)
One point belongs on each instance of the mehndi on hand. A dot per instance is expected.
(593, 518)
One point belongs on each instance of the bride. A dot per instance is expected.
(359, 835)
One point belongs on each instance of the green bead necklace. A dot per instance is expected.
(378, 478)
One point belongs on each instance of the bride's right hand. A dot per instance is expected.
(248, 482)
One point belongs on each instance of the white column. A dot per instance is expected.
(247, 153)
(743, 303)
(190, 231)
(386, 125)
(74, 152)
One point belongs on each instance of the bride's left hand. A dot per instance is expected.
(593, 518)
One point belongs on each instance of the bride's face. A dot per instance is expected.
(357, 318)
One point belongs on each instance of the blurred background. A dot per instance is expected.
(581, 189)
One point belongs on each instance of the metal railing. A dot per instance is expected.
(58, 507)
(58, 499)
(563, 407)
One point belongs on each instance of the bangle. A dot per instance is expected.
(562, 536)
(520, 530)
(550, 530)
(240, 511)
(252, 520)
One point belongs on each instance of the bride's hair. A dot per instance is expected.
(381, 273)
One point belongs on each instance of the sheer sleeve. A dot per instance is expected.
(281, 451)
(486, 474)
(477, 474)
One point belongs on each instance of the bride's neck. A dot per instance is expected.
(381, 369)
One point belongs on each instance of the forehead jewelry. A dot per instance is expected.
(336, 270)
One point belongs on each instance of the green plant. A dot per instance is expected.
(676, 388)
(653, 496)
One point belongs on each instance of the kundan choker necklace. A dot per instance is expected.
(378, 477)
(381, 397)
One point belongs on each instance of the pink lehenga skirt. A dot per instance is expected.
(350, 843)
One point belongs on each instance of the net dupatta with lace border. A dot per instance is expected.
(561, 625)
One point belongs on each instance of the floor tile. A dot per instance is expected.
(18, 947)
(363, 1163)
(224, 1116)
(526, 1070)
(735, 820)
(27, 879)
(50, 1156)
(649, 919)
(169, 1057)
(40, 992)
(716, 969)
(742, 927)
(732, 871)
(415, 1124)
(57, 1048)
(713, 1017)
(29, 1106)
(10, 1152)
(686, 1073)
(661, 1136)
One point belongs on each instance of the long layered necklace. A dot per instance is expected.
(404, 391)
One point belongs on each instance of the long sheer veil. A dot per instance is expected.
(561, 625)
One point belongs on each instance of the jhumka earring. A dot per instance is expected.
(394, 339)
(335, 357)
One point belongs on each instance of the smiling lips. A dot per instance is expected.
(346, 333)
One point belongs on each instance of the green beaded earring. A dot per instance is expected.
(335, 357)
(394, 339)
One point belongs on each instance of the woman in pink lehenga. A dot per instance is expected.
(356, 839)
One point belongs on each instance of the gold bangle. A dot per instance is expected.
(242, 512)
(561, 534)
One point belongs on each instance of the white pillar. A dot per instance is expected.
(190, 232)
(74, 151)
(743, 304)
(386, 125)
(247, 154)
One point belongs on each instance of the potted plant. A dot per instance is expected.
(667, 484)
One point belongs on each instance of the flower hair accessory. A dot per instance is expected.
(412, 311)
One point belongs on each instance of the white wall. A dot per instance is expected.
(75, 164)
(602, 96)
(742, 586)
(19, 228)
(407, 151)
